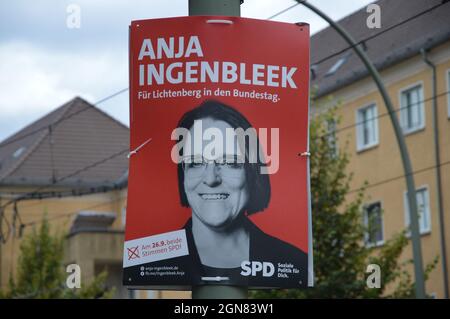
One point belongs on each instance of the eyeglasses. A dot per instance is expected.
(227, 165)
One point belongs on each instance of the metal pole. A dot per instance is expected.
(415, 235)
(215, 7)
(219, 292)
(1, 243)
(437, 156)
(225, 8)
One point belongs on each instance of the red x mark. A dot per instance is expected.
(133, 252)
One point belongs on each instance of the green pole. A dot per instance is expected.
(225, 8)
(1, 242)
(437, 158)
(215, 7)
(415, 235)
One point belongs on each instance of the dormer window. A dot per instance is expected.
(337, 65)
(19, 152)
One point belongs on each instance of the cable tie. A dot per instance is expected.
(136, 150)
(307, 154)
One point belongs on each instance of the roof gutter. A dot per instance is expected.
(437, 157)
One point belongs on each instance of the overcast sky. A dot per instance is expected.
(43, 64)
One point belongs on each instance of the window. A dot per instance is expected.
(423, 209)
(373, 220)
(337, 65)
(366, 127)
(19, 151)
(412, 114)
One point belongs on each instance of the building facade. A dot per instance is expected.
(54, 168)
(404, 56)
(70, 167)
(57, 166)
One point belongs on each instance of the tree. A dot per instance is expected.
(40, 273)
(340, 254)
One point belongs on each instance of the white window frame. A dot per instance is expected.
(360, 146)
(407, 131)
(447, 75)
(422, 230)
(366, 224)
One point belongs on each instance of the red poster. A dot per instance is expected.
(218, 192)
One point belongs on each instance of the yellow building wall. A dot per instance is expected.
(381, 166)
(79, 248)
(60, 212)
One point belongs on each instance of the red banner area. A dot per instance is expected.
(202, 210)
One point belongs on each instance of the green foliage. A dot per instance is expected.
(41, 273)
(340, 254)
(96, 289)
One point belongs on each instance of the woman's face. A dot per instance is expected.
(216, 191)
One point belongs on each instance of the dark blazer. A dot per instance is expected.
(289, 264)
(263, 248)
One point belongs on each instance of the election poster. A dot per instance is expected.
(218, 188)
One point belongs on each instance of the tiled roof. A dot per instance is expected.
(80, 135)
(398, 44)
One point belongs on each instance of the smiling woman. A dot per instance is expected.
(223, 188)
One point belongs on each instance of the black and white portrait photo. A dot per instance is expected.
(222, 186)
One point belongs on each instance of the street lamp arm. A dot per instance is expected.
(407, 167)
